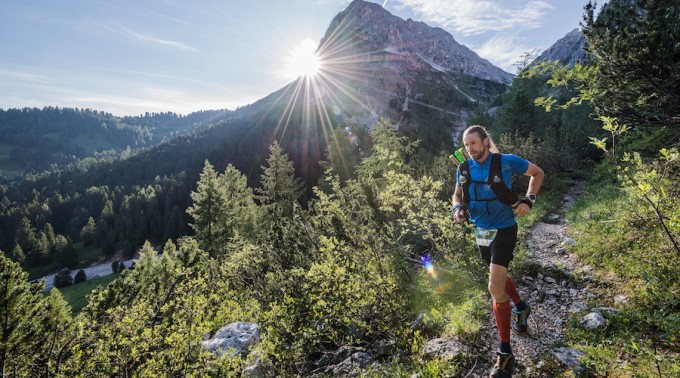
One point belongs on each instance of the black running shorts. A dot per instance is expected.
(500, 251)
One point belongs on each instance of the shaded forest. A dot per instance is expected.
(40, 139)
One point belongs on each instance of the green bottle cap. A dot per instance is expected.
(459, 155)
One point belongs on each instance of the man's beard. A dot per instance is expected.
(480, 154)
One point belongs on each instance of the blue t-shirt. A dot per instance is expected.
(494, 214)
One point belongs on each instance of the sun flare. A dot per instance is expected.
(303, 61)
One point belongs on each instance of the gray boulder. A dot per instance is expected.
(568, 357)
(237, 338)
(593, 320)
(337, 356)
(255, 370)
(577, 306)
(352, 365)
(443, 348)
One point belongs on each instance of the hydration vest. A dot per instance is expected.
(495, 181)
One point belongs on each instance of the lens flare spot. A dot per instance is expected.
(428, 265)
(303, 61)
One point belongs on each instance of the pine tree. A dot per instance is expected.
(237, 208)
(42, 248)
(390, 152)
(48, 230)
(88, 232)
(60, 242)
(21, 339)
(58, 327)
(283, 221)
(637, 49)
(343, 151)
(205, 210)
(25, 237)
(172, 224)
(280, 189)
(18, 254)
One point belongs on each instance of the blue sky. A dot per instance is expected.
(129, 57)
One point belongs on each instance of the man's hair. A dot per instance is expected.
(482, 134)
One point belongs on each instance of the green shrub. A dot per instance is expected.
(63, 278)
(80, 277)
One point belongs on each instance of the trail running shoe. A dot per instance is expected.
(520, 320)
(504, 365)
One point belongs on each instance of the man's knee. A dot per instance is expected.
(497, 276)
(497, 291)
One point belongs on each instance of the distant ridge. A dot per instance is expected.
(568, 50)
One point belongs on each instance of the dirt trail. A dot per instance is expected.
(548, 285)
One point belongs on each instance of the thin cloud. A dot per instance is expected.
(23, 76)
(473, 17)
(145, 38)
(120, 96)
(503, 50)
(157, 41)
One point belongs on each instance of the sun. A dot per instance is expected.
(303, 61)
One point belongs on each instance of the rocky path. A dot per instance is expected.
(547, 282)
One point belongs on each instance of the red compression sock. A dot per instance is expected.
(501, 312)
(511, 290)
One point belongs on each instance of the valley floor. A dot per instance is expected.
(99, 270)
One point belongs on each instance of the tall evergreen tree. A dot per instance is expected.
(637, 46)
(282, 222)
(21, 337)
(390, 152)
(48, 230)
(18, 254)
(205, 209)
(238, 209)
(57, 327)
(25, 237)
(88, 232)
(280, 189)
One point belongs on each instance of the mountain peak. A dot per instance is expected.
(365, 27)
(375, 64)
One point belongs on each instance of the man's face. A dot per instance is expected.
(476, 147)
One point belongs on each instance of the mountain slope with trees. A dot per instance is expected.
(115, 201)
(40, 139)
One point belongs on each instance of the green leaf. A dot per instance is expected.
(599, 143)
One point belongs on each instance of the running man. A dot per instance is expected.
(484, 195)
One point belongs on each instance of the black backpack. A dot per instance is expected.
(495, 181)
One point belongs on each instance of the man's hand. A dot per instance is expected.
(459, 215)
(521, 208)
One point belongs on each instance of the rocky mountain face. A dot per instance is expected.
(367, 28)
(375, 64)
(569, 50)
